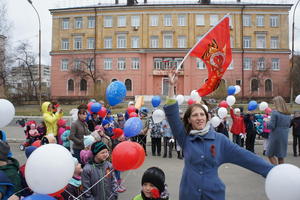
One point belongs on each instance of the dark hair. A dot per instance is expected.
(82, 106)
(188, 113)
(82, 111)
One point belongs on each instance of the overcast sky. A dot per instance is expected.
(25, 23)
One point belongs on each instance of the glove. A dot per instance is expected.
(171, 140)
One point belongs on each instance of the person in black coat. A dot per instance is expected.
(295, 123)
(249, 120)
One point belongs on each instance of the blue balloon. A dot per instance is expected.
(39, 197)
(96, 107)
(133, 127)
(155, 101)
(231, 90)
(252, 105)
(115, 92)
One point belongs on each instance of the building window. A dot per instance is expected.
(274, 43)
(238, 82)
(157, 63)
(181, 42)
(121, 64)
(91, 43)
(154, 42)
(135, 42)
(230, 21)
(168, 41)
(168, 20)
(70, 85)
(135, 20)
(128, 84)
(268, 85)
(107, 63)
(77, 65)
(261, 41)
(83, 85)
(78, 43)
(64, 64)
(260, 20)
(167, 63)
(247, 42)
(65, 23)
(121, 21)
(91, 22)
(230, 67)
(65, 44)
(213, 19)
(246, 20)
(135, 63)
(200, 20)
(274, 21)
(254, 85)
(261, 64)
(153, 20)
(108, 21)
(107, 43)
(90, 64)
(78, 22)
(275, 64)
(200, 64)
(181, 20)
(121, 41)
(247, 63)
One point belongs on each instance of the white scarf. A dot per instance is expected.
(201, 132)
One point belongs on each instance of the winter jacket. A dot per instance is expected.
(78, 130)
(65, 138)
(156, 129)
(106, 188)
(249, 120)
(238, 125)
(61, 130)
(295, 123)
(6, 187)
(50, 119)
(92, 123)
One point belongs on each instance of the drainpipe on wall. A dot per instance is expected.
(242, 46)
(95, 44)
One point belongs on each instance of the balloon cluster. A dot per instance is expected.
(95, 107)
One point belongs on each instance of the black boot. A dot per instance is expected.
(178, 155)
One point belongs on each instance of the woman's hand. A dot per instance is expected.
(173, 77)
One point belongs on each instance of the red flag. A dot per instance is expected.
(215, 51)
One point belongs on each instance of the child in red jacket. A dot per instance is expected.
(238, 126)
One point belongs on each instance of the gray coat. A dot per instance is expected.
(105, 189)
(278, 138)
(78, 130)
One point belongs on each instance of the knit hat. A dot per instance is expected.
(237, 110)
(4, 150)
(61, 122)
(104, 122)
(130, 103)
(155, 176)
(97, 147)
(88, 140)
(99, 127)
(117, 133)
(29, 150)
(120, 115)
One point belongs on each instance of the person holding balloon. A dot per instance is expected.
(204, 151)
(238, 128)
(142, 136)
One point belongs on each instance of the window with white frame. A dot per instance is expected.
(78, 42)
(65, 23)
(153, 20)
(261, 63)
(260, 41)
(154, 42)
(247, 63)
(128, 84)
(260, 20)
(108, 21)
(157, 63)
(231, 67)
(181, 41)
(65, 44)
(121, 64)
(274, 21)
(213, 19)
(246, 20)
(275, 64)
(91, 22)
(135, 20)
(168, 20)
(107, 63)
(177, 62)
(121, 21)
(91, 43)
(274, 43)
(200, 64)
(64, 64)
(78, 22)
(247, 41)
(107, 42)
(121, 41)
(77, 64)
(200, 20)
(181, 20)
(168, 41)
(135, 63)
(135, 42)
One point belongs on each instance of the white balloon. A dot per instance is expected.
(205, 106)
(49, 169)
(283, 182)
(237, 89)
(263, 105)
(158, 116)
(215, 121)
(195, 96)
(297, 100)
(230, 100)
(222, 112)
(74, 113)
(7, 111)
(180, 99)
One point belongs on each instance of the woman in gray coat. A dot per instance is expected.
(279, 125)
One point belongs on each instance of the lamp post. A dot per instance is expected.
(39, 67)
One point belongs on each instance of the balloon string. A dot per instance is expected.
(19, 191)
(124, 180)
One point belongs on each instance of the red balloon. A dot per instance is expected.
(55, 194)
(141, 155)
(36, 143)
(125, 156)
(223, 104)
(131, 109)
(133, 114)
(191, 101)
(89, 105)
(268, 111)
(118, 132)
(102, 112)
